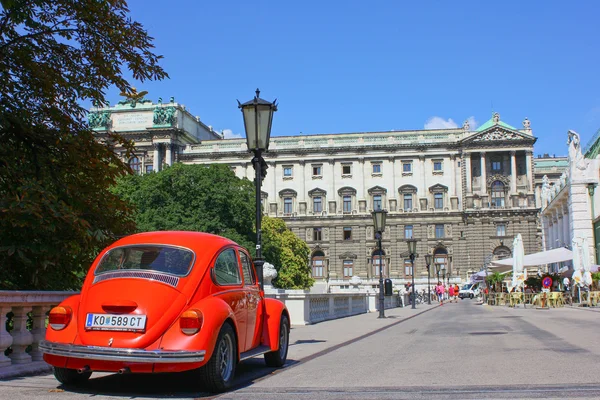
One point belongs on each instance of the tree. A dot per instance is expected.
(495, 279)
(56, 210)
(287, 253)
(206, 198)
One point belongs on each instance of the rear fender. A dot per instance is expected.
(274, 309)
(214, 314)
(69, 333)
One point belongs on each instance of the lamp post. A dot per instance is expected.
(379, 223)
(428, 263)
(258, 117)
(412, 249)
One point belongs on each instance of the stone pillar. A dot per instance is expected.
(21, 336)
(169, 151)
(143, 171)
(38, 331)
(513, 172)
(5, 338)
(467, 161)
(529, 172)
(453, 172)
(566, 224)
(156, 161)
(483, 174)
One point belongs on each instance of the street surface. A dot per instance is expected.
(457, 351)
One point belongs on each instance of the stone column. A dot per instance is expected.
(453, 172)
(38, 331)
(169, 151)
(529, 172)
(566, 224)
(156, 161)
(143, 171)
(5, 338)
(21, 336)
(467, 161)
(513, 172)
(483, 174)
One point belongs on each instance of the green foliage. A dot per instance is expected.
(534, 282)
(495, 280)
(288, 253)
(56, 210)
(192, 198)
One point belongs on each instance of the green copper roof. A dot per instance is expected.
(551, 163)
(491, 123)
(593, 147)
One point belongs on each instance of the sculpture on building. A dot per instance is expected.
(526, 123)
(545, 187)
(496, 117)
(466, 125)
(163, 115)
(269, 273)
(563, 179)
(99, 119)
(132, 97)
(575, 156)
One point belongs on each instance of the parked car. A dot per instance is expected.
(469, 290)
(167, 302)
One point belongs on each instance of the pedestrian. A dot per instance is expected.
(456, 292)
(450, 293)
(439, 290)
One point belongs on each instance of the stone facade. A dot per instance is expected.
(463, 194)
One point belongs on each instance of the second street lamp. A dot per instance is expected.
(428, 263)
(379, 216)
(258, 117)
(412, 249)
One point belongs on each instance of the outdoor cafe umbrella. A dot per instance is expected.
(518, 276)
(577, 267)
(585, 262)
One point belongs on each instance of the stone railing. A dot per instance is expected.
(308, 308)
(28, 308)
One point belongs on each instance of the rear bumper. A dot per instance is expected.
(124, 355)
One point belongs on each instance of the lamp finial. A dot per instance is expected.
(257, 93)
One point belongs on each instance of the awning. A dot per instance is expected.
(531, 260)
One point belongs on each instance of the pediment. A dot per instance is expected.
(347, 255)
(377, 189)
(498, 133)
(438, 187)
(287, 193)
(317, 192)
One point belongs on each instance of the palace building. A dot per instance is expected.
(463, 193)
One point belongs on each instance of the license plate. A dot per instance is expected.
(115, 322)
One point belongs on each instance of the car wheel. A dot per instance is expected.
(471, 296)
(217, 375)
(68, 376)
(277, 358)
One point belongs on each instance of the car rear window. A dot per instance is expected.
(171, 260)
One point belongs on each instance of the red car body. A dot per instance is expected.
(164, 302)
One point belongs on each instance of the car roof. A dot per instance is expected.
(196, 241)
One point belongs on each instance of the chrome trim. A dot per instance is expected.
(140, 274)
(116, 354)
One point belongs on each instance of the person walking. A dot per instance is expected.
(439, 290)
(450, 293)
(456, 292)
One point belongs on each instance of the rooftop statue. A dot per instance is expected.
(496, 117)
(466, 125)
(133, 97)
(526, 123)
(575, 156)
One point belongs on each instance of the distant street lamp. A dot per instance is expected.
(428, 263)
(412, 249)
(258, 117)
(379, 216)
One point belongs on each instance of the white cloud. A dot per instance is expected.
(230, 135)
(440, 123)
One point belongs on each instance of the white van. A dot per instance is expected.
(469, 290)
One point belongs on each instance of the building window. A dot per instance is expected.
(287, 205)
(408, 270)
(317, 234)
(287, 171)
(148, 168)
(318, 264)
(317, 170)
(438, 201)
(437, 166)
(501, 230)
(346, 169)
(317, 204)
(496, 166)
(377, 168)
(407, 167)
(408, 231)
(377, 202)
(439, 231)
(347, 233)
(497, 194)
(347, 204)
(348, 268)
(135, 165)
(378, 260)
(408, 205)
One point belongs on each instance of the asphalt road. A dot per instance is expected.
(457, 351)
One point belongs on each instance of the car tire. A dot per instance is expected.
(276, 359)
(218, 373)
(68, 376)
(471, 295)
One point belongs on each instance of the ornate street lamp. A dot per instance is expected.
(428, 263)
(412, 249)
(258, 117)
(379, 217)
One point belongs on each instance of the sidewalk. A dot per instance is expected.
(310, 340)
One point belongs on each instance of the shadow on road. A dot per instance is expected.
(169, 385)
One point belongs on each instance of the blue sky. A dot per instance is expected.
(351, 66)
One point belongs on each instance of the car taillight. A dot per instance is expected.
(60, 317)
(190, 322)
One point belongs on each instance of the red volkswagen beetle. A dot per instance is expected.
(167, 302)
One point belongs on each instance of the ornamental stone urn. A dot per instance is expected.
(269, 273)
(355, 281)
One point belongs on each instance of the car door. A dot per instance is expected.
(253, 299)
(228, 277)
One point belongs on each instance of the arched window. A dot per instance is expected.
(135, 165)
(376, 261)
(501, 252)
(497, 194)
(318, 264)
(440, 262)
